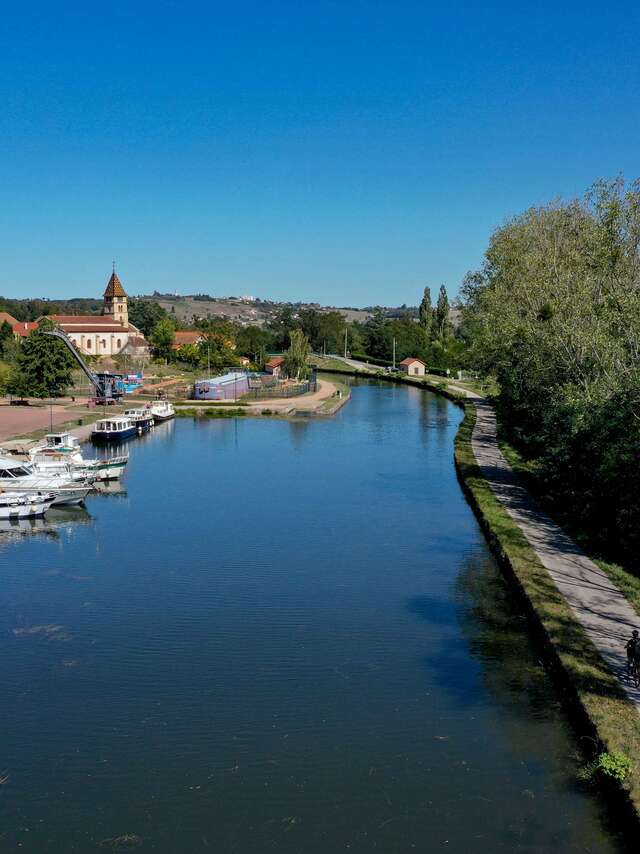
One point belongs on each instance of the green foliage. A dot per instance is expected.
(5, 378)
(44, 366)
(554, 313)
(425, 313)
(441, 319)
(608, 766)
(162, 338)
(146, 314)
(296, 357)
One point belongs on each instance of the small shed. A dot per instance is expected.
(413, 367)
(275, 366)
(227, 387)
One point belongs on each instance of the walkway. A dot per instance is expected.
(598, 605)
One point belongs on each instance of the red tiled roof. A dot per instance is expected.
(114, 287)
(188, 336)
(5, 317)
(24, 328)
(273, 363)
(92, 327)
(410, 360)
(73, 319)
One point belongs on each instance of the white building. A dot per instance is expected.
(109, 333)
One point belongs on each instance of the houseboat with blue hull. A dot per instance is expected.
(142, 418)
(115, 429)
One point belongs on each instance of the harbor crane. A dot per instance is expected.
(105, 383)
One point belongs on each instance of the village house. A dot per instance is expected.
(413, 367)
(186, 338)
(275, 366)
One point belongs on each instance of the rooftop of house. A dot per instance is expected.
(410, 361)
(275, 362)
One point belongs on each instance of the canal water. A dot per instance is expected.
(282, 637)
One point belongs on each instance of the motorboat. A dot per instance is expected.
(142, 418)
(24, 505)
(67, 486)
(162, 410)
(114, 429)
(62, 451)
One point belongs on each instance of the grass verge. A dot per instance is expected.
(193, 412)
(603, 711)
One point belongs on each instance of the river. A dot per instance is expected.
(284, 636)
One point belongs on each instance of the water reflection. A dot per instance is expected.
(57, 521)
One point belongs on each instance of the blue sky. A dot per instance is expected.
(346, 152)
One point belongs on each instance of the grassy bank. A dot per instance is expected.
(528, 471)
(204, 412)
(603, 711)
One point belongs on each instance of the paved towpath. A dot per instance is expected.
(599, 606)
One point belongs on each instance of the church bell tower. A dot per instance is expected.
(115, 301)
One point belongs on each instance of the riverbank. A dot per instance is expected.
(582, 618)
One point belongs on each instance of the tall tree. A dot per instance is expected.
(44, 366)
(442, 312)
(425, 313)
(296, 357)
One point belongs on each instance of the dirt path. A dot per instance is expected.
(20, 420)
(599, 606)
(304, 403)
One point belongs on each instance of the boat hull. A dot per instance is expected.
(25, 506)
(114, 435)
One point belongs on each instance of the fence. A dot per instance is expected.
(270, 392)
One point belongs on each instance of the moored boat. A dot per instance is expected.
(162, 410)
(142, 418)
(62, 451)
(24, 505)
(67, 487)
(114, 429)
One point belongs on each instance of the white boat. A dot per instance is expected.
(62, 451)
(142, 418)
(24, 505)
(162, 410)
(113, 429)
(20, 476)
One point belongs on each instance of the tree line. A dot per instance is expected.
(554, 314)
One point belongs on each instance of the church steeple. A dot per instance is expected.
(115, 300)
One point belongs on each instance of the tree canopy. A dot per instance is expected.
(554, 313)
(44, 366)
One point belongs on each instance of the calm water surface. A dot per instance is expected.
(284, 637)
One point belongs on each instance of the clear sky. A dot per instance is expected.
(346, 152)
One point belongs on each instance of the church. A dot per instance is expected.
(107, 334)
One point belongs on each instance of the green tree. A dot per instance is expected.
(442, 313)
(425, 313)
(146, 314)
(162, 338)
(44, 366)
(296, 357)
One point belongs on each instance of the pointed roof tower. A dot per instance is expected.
(114, 287)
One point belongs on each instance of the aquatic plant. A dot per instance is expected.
(611, 766)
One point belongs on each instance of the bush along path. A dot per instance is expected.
(583, 616)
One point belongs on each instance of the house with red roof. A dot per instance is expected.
(413, 367)
(275, 366)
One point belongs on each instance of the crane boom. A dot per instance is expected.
(104, 383)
